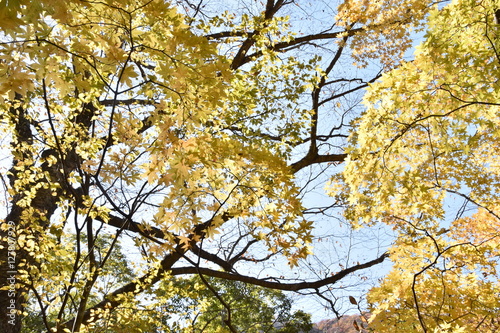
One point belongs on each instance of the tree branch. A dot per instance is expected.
(278, 285)
(315, 159)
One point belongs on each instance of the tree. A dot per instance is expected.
(431, 173)
(193, 139)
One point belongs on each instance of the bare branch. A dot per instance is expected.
(278, 285)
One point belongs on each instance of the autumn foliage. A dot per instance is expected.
(149, 141)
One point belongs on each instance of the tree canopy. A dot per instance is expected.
(147, 142)
(252, 308)
(432, 174)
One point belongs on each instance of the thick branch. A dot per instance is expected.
(227, 266)
(283, 46)
(315, 159)
(278, 285)
(240, 58)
